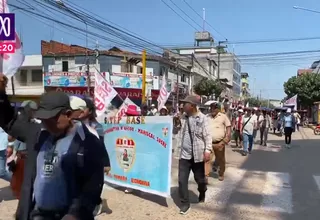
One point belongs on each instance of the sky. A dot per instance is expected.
(236, 20)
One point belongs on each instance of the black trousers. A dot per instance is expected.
(287, 134)
(185, 166)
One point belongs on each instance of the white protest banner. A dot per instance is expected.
(292, 101)
(163, 94)
(11, 61)
(103, 93)
(123, 108)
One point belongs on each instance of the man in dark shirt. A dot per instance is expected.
(66, 173)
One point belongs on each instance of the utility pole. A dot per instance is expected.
(191, 76)
(177, 69)
(144, 72)
(219, 48)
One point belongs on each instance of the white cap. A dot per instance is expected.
(77, 103)
(164, 107)
(255, 108)
(288, 110)
(152, 105)
(240, 110)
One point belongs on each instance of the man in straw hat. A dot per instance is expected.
(194, 149)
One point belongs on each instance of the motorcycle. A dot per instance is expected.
(316, 131)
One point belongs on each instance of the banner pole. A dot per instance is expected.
(144, 67)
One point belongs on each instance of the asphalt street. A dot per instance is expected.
(272, 183)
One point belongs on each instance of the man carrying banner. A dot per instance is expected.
(194, 149)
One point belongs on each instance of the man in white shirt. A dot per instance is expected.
(249, 123)
(255, 115)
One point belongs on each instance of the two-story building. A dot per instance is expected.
(27, 83)
(65, 69)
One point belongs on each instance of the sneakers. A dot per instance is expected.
(221, 178)
(244, 153)
(184, 210)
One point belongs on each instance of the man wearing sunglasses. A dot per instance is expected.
(64, 170)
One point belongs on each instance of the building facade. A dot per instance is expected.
(27, 83)
(65, 69)
(245, 92)
(230, 69)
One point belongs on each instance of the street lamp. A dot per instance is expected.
(306, 9)
(61, 4)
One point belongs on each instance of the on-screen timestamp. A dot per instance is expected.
(7, 47)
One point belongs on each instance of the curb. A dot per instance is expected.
(311, 126)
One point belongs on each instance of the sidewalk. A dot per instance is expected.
(140, 206)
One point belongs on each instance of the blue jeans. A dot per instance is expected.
(3, 164)
(247, 142)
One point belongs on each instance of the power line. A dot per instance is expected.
(185, 13)
(179, 15)
(205, 20)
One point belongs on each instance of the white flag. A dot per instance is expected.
(103, 93)
(292, 101)
(163, 94)
(11, 61)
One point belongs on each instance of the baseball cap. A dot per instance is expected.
(77, 103)
(51, 104)
(240, 110)
(192, 99)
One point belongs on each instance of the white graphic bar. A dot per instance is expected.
(277, 193)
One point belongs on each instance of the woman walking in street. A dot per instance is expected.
(289, 127)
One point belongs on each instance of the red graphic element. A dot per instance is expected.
(7, 47)
(6, 56)
(126, 142)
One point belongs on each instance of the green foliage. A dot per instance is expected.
(208, 87)
(255, 102)
(306, 86)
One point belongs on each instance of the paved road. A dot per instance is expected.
(273, 183)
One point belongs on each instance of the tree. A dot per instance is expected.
(208, 87)
(255, 102)
(306, 86)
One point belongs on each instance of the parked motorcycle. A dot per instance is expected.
(316, 131)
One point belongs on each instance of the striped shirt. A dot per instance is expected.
(201, 135)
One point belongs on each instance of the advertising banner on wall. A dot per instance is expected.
(132, 80)
(67, 79)
(140, 150)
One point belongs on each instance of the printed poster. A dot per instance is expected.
(140, 150)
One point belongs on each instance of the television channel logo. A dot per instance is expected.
(7, 27)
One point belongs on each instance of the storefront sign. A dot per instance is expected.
(124, 93)
(67, 79)
(130, 80)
